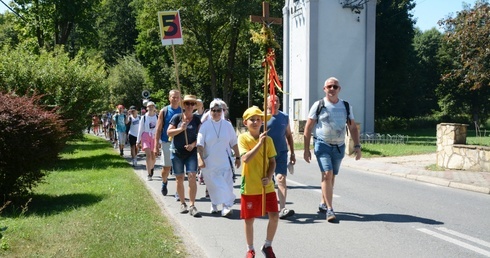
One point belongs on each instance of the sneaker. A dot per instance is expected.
(285, 213)
(250, 254)
(164, 189)
(330, 215)
(177, 198)
(322, 208)
(226, 211)
(134, 162)
(207, 193)
(183, 208)
(121, 152)
(150, 178)
(194, 212)
(214, 208)
(151, 172)
(267, 251)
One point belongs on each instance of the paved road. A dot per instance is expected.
(379, 216)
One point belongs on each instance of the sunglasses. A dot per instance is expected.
(190, 103)
(332, 86)
(216, 110)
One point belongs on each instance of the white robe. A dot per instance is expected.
(218, 174)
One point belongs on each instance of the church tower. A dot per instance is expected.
(324, 38)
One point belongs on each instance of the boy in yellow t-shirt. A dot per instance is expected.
(251, 147)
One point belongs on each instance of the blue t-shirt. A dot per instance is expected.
(192, 130)
(170, 113)
(120, 121)
(277, 130)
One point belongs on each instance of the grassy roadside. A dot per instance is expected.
(91, 205)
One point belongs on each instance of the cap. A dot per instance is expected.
(254, 111)
(150, 103)
(132, 108)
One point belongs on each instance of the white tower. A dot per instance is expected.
(324, 38)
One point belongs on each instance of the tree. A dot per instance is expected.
(395, 70)
(116, 28)
(466, 81)
(126, 82)
(427, 45)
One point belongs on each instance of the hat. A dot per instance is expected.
(150, 103)
(216, 103)
(132, 108)
(189, 98)
(254, 111)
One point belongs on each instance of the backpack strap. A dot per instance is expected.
(321, 104)
(347, 108)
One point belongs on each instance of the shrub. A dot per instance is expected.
(31, 138)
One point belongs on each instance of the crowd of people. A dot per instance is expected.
(203, 145)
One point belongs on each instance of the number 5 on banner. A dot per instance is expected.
(170, 29)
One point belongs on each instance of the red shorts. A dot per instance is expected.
(251, 205)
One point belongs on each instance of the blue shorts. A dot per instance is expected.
(282, 163)
(190, 164)
(329, 156)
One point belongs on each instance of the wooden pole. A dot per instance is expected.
(264, 174)
(178, 82)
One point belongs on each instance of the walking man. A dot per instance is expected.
(166, 113)
(329, 128)
(280, 132)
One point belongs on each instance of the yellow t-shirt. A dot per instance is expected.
(252, 171)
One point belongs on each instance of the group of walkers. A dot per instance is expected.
(190, 139)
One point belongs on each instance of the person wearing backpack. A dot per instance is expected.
(134, 121)
(327, 121)
(162, 141)
(120, 120)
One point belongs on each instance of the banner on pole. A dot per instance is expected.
(170, 29)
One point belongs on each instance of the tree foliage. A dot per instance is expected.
(73, 86)
(126, 82)
(466, 80)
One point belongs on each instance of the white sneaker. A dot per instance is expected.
(226, 211)
(177, 198)
(135, 162)
(214, 208)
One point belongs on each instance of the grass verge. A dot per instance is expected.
(91, 205)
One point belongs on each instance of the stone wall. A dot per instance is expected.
(453, 153)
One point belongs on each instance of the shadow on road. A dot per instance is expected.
(385, 217)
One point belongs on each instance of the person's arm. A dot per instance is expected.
(173, 130)
(158, 135)
(250, 154)
(307, 137)
(270, 171)
(289, 139)
(354, 133)
(200, 159)
(141, 128)
(237, 155)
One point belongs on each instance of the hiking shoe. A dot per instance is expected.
(183, 208)
(150, 178)
(194, 212)
(285, 213)
(164, 189)
(330, 215)
(267, 251)
(322, 208)
(226, 211)
(250, 254)
(214, 208)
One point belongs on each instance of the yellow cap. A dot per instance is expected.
(254, 111)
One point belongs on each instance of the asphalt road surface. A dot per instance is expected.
(377, 216)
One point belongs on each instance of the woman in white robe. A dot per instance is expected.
(215, 141)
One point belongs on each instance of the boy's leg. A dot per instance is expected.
(272, 225)
(249, 231)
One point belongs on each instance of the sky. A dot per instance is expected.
(427, 12)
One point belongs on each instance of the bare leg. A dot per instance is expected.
(281, 190)
(191, 177)
(327, 187)
(180, 187)
(249, 231)
(272, 225)
(165, 172)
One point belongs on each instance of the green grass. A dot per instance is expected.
(421, 141)
(91, 205)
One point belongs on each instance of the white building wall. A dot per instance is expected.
(327, 40)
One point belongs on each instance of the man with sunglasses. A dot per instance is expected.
(329, 128)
